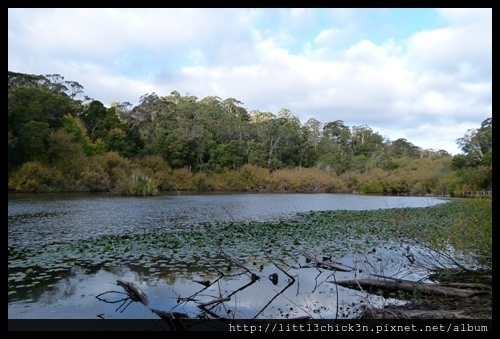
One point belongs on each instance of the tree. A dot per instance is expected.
(477, 144)
(313, 126)
(26, 104)
(336, 139)
(53, 83)
(74, 125)
(93, 118)
(402, 148)
(364, 141)
(232, 107)
(30, 143)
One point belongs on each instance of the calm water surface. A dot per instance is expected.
(46, 218)
(37, 220)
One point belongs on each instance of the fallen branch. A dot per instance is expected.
(134, 291)
(215, 301)
(136, 294)
(406, 286)
(252, 275)
(331, 266)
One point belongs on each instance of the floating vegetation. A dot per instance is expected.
(337, 233)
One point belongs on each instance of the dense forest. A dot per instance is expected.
(60, 140)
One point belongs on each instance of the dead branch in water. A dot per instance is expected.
(133, 291)
(215, 301)
(332, 266)
(373, 285)
(136, 294)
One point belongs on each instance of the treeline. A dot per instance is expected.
(61, 140)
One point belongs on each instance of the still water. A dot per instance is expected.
(71, 293)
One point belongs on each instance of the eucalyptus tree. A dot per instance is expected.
(238, 119)
(477, 144)
(94, 117)
(308, 152)
(474, 165)
(26, 103)
(313, 126)
(233, 107)
(74, 126)
(212, 115)
(17, 80)
(364, 141)
(191, 125)
(379, 159)
(402, 148)
(53, 83)
(154, 118)
(132, 143)
(230, 155)
(434, 153)
(335, 144)
(292, 139)
(266, 126)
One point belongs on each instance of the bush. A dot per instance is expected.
(137, 184)
(33, 176)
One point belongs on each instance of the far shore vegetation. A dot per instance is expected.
(58, 142)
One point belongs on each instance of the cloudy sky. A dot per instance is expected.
(420, 74)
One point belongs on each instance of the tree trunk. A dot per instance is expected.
(372, 285)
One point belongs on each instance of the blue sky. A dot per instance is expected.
(415, 73)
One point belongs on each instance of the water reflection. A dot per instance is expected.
(312, 292)
(74, 297)
(40, 227)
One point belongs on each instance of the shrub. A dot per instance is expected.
(33, 176)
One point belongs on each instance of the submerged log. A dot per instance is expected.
(372, 285)
(135, 293)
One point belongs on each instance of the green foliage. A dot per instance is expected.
(462, 227)
(25, 104)
(182, 179)
(75, 126)
(117, 141)
(93, 177)
(63, 152)
(137, 184)
(371, 186)
(471, 229)
(30, 143)
(477, 178)
(33, 176)
(477, 145)
(203, 182)
(246, 178)
(331, 163)
(219, 138)
(230, 155)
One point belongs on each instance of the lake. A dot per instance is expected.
(66, 252)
